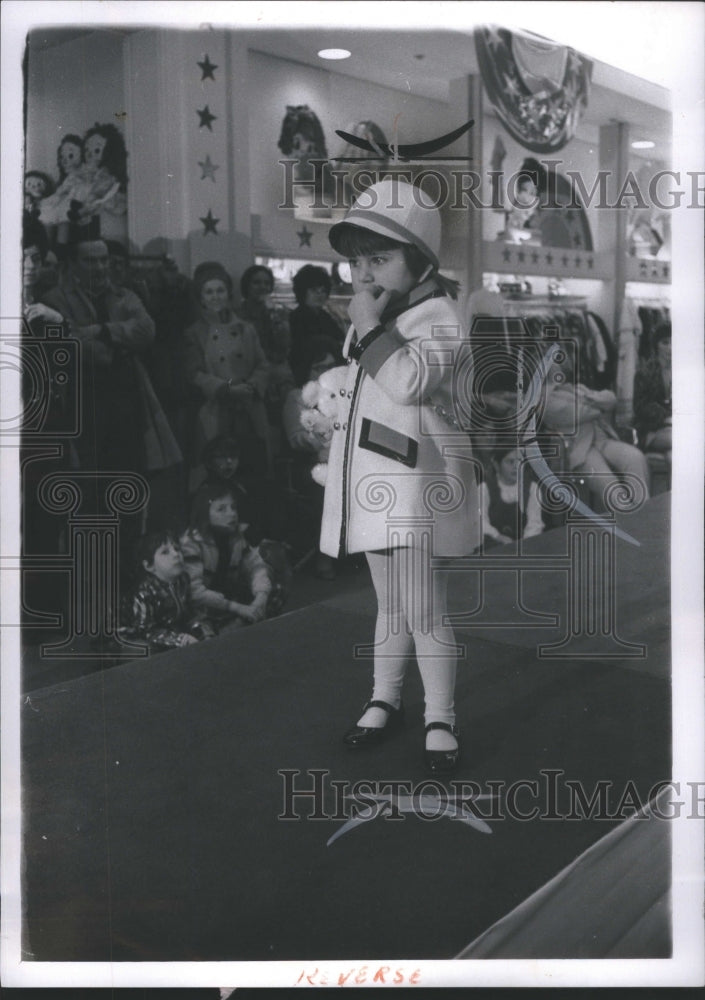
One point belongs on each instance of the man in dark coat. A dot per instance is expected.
(123, 426)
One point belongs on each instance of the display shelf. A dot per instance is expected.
(526, 259)
(649, 270)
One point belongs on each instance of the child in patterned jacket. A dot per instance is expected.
(159, 610)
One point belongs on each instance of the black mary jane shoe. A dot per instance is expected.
(361, 737)
(442, 761)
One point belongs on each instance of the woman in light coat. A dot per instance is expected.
(401, 482)
(225, 361)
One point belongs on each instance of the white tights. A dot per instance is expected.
(411, 605)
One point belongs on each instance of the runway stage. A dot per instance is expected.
(154, 791)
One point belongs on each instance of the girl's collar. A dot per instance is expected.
(426, 289)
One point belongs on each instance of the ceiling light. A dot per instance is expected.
(334, 54)
(643, 144)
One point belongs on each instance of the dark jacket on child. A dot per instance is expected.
(162, 614)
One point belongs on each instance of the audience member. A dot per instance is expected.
(230, 580)
(159, 609)
(509, 499)
(225, 361)
(310, 319)
(122, 276)
(272, 326)
(582, 418)
(124, 426)
(35, 246)
(221, 462)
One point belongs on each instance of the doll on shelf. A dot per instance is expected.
(37, 185)
(520, 223)
(106, 162)
(93, 179)
(54, 208)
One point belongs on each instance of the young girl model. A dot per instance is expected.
(392, 490)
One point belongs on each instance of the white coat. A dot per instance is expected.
(400, 469)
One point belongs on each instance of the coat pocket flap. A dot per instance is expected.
(387, 442)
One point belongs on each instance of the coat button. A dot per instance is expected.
(345, 427)
(350, 394)
(336, 426)
(342, 392)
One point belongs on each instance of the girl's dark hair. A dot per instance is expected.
(200, 505)
(114, 157)
(354, 241)
(307, 277)
(148, 544)
(75, 140)
(34, 234)
(250, 273)
(220, 447)
(210, 270)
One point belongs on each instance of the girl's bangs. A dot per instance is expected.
(354, 241)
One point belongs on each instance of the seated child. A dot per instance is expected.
(159, 611)
(230, 579)
(507, 513)
(221, 461)
(583, 418)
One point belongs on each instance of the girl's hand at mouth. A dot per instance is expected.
(366, 308)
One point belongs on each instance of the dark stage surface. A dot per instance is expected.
(153, 790)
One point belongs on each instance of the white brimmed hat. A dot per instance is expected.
(399, 211)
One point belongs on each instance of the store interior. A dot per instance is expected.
(203, 115)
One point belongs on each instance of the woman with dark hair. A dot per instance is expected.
(312, 285)
(35, 246)
(224, 360)
(272, 326)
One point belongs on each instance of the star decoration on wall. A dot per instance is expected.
(207, 69)
(209, 223)
(206, 117)
(304, 237)
(208, 168)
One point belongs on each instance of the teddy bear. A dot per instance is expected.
(321, 410)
